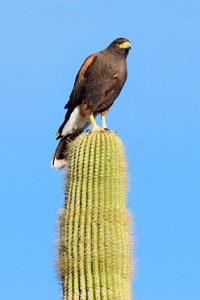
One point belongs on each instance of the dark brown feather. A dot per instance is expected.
(62, 150)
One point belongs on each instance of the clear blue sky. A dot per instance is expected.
(157, 116)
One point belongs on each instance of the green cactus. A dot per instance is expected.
(94, 256)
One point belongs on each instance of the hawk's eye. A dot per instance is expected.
(119, 43)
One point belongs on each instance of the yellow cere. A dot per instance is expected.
(125, 45)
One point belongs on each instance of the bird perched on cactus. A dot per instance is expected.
(97, 85)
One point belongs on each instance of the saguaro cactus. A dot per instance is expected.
(94, 256)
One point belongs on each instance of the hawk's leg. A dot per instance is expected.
(95, 127)
(103, 118)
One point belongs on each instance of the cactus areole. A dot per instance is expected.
(94, 255)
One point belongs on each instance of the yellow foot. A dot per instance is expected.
(97, 128)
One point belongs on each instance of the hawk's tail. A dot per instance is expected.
(60, 156)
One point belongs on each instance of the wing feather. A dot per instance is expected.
(80, 80)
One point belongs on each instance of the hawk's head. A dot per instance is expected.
(121, 45)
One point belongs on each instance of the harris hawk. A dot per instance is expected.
(97, 85)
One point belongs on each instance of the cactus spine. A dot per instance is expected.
(94, 256)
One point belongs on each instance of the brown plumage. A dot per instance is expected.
(97, 85)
